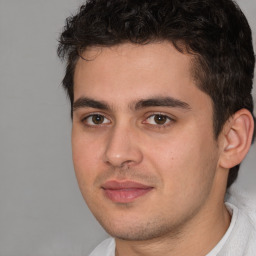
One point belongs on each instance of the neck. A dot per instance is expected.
(198, 237)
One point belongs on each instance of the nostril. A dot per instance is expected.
(122, 165)
(123, 162)
(126, 164)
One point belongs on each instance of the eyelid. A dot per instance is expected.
(169, 117)
(87, 116)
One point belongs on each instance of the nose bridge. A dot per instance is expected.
(122, 147)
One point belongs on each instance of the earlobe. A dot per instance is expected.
(238, 132)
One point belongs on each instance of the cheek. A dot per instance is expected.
(183, 161)
(187, 173)
(86, 155)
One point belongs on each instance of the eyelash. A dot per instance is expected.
(168, 122)
(94, 115)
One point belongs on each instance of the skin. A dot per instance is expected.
(117, 137)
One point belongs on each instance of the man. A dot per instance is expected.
(162, 117)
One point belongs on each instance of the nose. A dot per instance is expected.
(122, 148)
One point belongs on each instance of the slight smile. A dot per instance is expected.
(124, 191)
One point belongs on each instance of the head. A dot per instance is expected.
(215, 33)
(161, 103)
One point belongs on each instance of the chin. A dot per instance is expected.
(137, 230)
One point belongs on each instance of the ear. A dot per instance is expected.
(237, 136)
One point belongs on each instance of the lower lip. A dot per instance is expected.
(125, 195)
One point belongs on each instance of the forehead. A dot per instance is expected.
(140, 55)
(126, 72)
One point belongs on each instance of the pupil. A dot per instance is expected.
(97, 119)
(159, 119)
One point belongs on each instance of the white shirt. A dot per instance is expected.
(239, 240)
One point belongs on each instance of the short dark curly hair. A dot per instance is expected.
(216, 32)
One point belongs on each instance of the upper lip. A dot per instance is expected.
(116, 185)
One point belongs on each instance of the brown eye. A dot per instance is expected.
(97, 119)
(160, 119)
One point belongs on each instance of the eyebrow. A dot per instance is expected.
(162, 102)
(85, 102)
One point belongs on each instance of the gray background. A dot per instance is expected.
(41, 209)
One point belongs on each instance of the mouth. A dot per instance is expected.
(124, 191)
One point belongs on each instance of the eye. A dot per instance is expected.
(158, 119)
(95, 119)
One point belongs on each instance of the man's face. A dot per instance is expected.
(143, 147)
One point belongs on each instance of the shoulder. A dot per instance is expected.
(105, 248)
(242, 239)
(244, 201)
